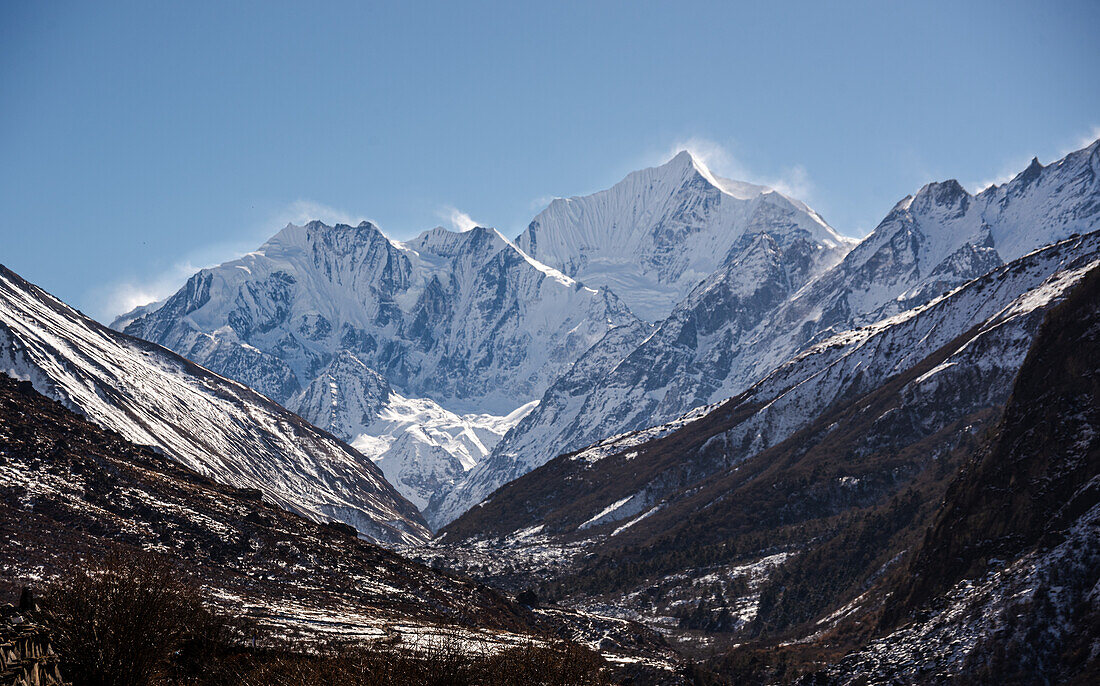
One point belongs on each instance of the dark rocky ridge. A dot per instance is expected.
(849, 499)
(1009, 566)
(72, 490)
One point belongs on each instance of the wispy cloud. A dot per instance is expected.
(793, 181)
(541, 202)
(1018, 164)
(459, 220)
(121, 296)
(302, 211)
(1005, 175)
(1084, 141)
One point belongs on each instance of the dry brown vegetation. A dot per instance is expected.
(136, 619)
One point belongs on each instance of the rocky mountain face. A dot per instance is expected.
(943, 236)
(422, 448)
(1002, 587)
(1037, 477)
(641, 374)
(346, 396)
(767, 303)
(815, 546)
(214, 426)
(981, 333)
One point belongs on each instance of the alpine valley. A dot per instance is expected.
(682, 424)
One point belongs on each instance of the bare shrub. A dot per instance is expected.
(119, 620)
(134, 619)
(441, 661)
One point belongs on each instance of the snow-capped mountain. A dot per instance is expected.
(466, 319)
(943, 236)
(737, 252)
(215, 426)
(659, 232)
(751, 316)
(422, 353)
(637, 376)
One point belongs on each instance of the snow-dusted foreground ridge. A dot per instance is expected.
(72, 490)
(215, 426)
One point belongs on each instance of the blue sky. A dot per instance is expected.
(142, 141)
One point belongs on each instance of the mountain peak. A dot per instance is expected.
(445, 242)
(294, 234)
(320, 225)
(656, 234)
(686, 160)
(1031, 173)
(682, 158)
(941, 193)
(687, 163)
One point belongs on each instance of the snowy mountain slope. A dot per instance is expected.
(214, 426)
(422, 448)
(989, 321)
(943, 237)
(751, 316)
(466, 319)
(1002, 588)
(681, 365)
(655, 235)
(539, 425)
(346, 396)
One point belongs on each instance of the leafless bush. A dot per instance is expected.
(134, 619)
(119, 620)
(440, 662)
